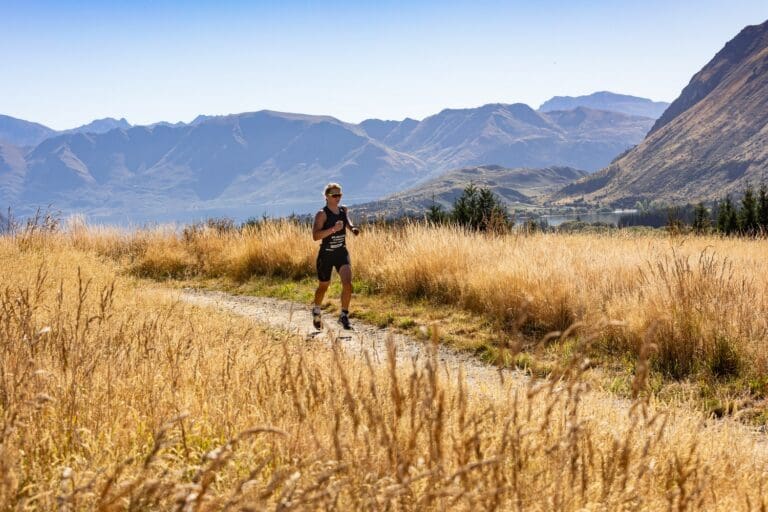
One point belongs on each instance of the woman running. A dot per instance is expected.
(331, 227)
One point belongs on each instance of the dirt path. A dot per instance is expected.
(482, 379)
(295, 318)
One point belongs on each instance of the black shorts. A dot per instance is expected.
(327, 260)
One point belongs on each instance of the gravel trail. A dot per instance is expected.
(295, 318)
(482, 379)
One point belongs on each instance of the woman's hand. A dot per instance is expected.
(355, 230)
(338, 226)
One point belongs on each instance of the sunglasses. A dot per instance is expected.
(336, 196)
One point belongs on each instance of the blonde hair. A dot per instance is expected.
(331, 186)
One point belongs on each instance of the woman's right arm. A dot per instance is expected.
(317, 228)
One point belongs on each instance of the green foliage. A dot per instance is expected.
(762, 208)
(748, 213)
(480, 209)
(532, 225)
(725, 360)
(749, 217)
(675, 223)
(727, 220)
(436, 214)
(700, 219)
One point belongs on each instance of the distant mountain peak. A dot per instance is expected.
(101, 126)
(200, 119)
(606, 100)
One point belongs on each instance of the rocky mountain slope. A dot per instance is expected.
(513, 136)
(712, 140)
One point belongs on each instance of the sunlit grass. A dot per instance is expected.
(702, 300)
(115, 396)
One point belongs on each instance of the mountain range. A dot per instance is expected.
(19, 132)
(604, 100)
(277, 162)
(711, 141)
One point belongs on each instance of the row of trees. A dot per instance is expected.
(480, 209)
(749, 217)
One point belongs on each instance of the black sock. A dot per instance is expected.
(345, 312)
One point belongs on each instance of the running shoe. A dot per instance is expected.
(317, 318)
(344, 321)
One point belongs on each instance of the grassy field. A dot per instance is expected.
(700, 302)
(115, 396)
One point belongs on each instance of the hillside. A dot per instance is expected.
(22, 133)
(517, 136)
(712, 140)
(516, 187)
(12, 169)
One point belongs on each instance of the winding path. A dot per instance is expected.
(295, 318)
(482, 379)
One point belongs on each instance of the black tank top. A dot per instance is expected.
(338, 240)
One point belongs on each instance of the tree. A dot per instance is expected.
(700, 219)
(714, 214)
(436, 214)
(762, 209)
(727, 221)
(748, 213)
(674, 222)
(480, 209)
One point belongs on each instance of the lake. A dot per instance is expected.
(606, 217)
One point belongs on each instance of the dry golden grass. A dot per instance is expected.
(706, 296)
(116, 397)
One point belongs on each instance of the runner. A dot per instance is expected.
(331, 227)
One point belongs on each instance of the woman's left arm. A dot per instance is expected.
(355, 229)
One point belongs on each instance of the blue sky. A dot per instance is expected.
(65, 63)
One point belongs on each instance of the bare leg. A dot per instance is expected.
(322, 287)
(345, 272)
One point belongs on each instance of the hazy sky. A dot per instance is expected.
(65, 63)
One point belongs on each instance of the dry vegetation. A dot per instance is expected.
(114, 396)
(707, 297)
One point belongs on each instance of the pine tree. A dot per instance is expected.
(700, 219)
(715, 214)
(480, 209)
(748, 212)
(464, 206)
(727, 220)
(436, 214)
(762, 209)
